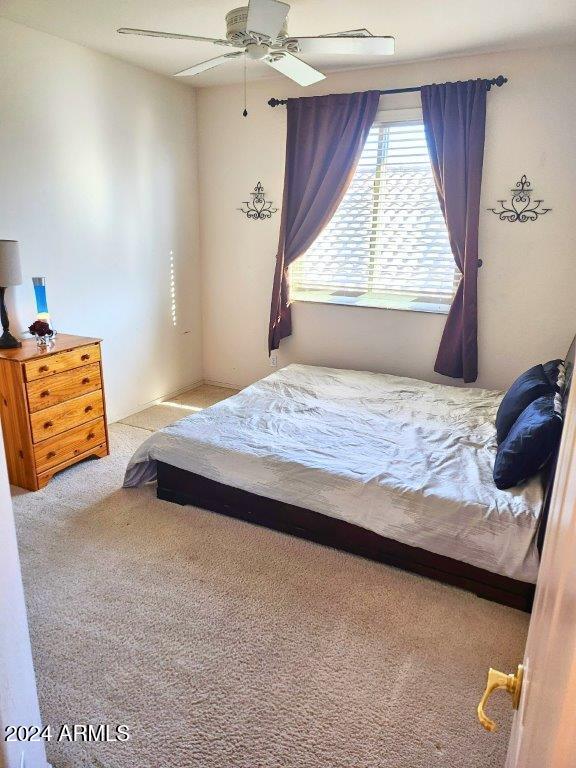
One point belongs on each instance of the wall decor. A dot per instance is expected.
(258, 207)
(521, 207)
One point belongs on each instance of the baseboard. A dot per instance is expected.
(158, 400)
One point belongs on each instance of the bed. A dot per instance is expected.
(388, 467)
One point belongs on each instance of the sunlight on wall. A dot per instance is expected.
(172, 290)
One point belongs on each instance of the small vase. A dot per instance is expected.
(44, 342)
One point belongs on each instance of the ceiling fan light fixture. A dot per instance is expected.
(257, 52)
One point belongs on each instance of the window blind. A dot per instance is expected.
(387, 243)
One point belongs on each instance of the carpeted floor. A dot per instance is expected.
(158, 416)
(225, 645)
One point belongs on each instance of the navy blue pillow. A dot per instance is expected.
(551, 371)
(530, 443)
(534, 383)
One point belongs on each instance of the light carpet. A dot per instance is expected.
(225, 645)
(175, 408)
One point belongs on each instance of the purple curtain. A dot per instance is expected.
(454, 120)
(325, 137)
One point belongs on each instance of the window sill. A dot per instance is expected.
(402, 303)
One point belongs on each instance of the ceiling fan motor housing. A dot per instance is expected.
(236, 28)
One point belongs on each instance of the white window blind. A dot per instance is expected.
(387, 244)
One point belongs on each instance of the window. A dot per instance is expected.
(387, 244)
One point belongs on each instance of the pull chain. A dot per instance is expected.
(245, 112)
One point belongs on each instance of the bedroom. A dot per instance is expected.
(208, 636)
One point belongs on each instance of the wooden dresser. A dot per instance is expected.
(52, 407)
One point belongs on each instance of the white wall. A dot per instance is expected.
(529, 275)
(98, 182)
(18, 697)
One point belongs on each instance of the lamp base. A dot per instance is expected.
(7, 341)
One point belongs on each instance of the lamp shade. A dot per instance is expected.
(10, 271)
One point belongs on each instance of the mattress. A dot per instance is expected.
(407, 459)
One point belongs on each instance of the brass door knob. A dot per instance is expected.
(511, 683)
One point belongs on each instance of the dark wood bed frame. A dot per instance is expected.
(184, 487)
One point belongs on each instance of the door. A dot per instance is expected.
(544, 728)
(18, 702)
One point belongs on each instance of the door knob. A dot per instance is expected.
(511, 683)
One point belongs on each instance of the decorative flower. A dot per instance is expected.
(40, 328)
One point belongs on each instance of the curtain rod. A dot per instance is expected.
(498, 81)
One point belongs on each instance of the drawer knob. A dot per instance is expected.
(45, 393)
(91, 436)
(48, 424)
(85, 380)
(50, 454)
(43, 368)
(88, 409)
(85, 357)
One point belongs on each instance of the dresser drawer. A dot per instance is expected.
(43, 393)
(58, 418)
(61, 448)
(48, 365)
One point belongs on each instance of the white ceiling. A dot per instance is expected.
(423, 28)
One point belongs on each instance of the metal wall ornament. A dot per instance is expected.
(521, 207)
(258, 208)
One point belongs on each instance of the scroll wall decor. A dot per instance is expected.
(258, 207)
(521, 207)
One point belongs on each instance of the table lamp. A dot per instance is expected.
(10, 274)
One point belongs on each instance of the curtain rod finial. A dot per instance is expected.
(497, 81)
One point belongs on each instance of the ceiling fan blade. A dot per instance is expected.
(266, 17)
(346, 44)
(170, 35)
(350, 33)
(210, 64)
(295, 69)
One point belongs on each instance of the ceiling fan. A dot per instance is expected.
(259, 31)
